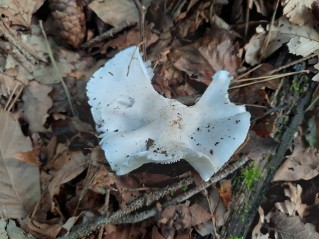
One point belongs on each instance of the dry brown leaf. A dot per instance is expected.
(19, 12)
(181, 217)
(115, 12)
(8, 84)
(3, 225)
(214, 204)
(103, 179)
(199, 214)
(293, 206)
(194, 19)
(209, 54)
(220, 51)
(185, 234)
(298, 11)
(36, 105)
(132, 37)
(261, 6)
(256, 233)
(30, 157)
(303, 163)
(69, 63)
(20, 182)
(252, 55)
(14, 231)
(124, 185)
(130, 231)
(225, 191)
(301, 41)
(189, 60)
(257, 147)
(156, 234)
(292, 227)
(74, 164)
(44, 229)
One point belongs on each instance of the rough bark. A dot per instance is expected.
(243, 209)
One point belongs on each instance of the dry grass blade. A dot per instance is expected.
(15, 94)
(247, 72)
(66, 90)
(261, 79)
(268, 37)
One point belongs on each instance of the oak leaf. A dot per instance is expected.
(19, 12)
(303, 163)
(292, 227)
(20, 183)
(36, 105)
(294, 205)
(114, 12)
(298, 11)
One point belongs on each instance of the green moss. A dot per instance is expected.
(185, 188)
(250, 175)
(295, 86)
(234, 237)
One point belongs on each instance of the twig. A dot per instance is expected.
(125, 216)
(247, 72)
(224, 172)
(267, 40)
(249, 3)
(66, 90)
(142, 11)
(117, 216)
(292, 63)
(15, 94)
(25, 50)
(108, 34)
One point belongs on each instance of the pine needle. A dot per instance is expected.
(66, 90)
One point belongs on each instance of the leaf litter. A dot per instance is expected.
(68, 182)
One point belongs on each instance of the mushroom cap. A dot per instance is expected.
(140, 126)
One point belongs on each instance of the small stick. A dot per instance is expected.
(108, 34)
(117, 216)
(247, 72)
(25, 50)
(15, 94)
(66, 90)
(224, 172)
(293, 63)
(267, 40)
(142, 11)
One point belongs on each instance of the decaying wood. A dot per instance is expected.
(243, 209)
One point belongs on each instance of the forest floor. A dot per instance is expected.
(56, 181)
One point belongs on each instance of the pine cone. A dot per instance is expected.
(70, 20)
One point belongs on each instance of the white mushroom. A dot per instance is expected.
(140, 126)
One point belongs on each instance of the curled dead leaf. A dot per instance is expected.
(303, 163)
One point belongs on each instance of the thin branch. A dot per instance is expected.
(108, 34)
(15, 94)
(223, 173)
(66, 90)
(117, 216)
(267, 40)
(24, 49)
(142, 11)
